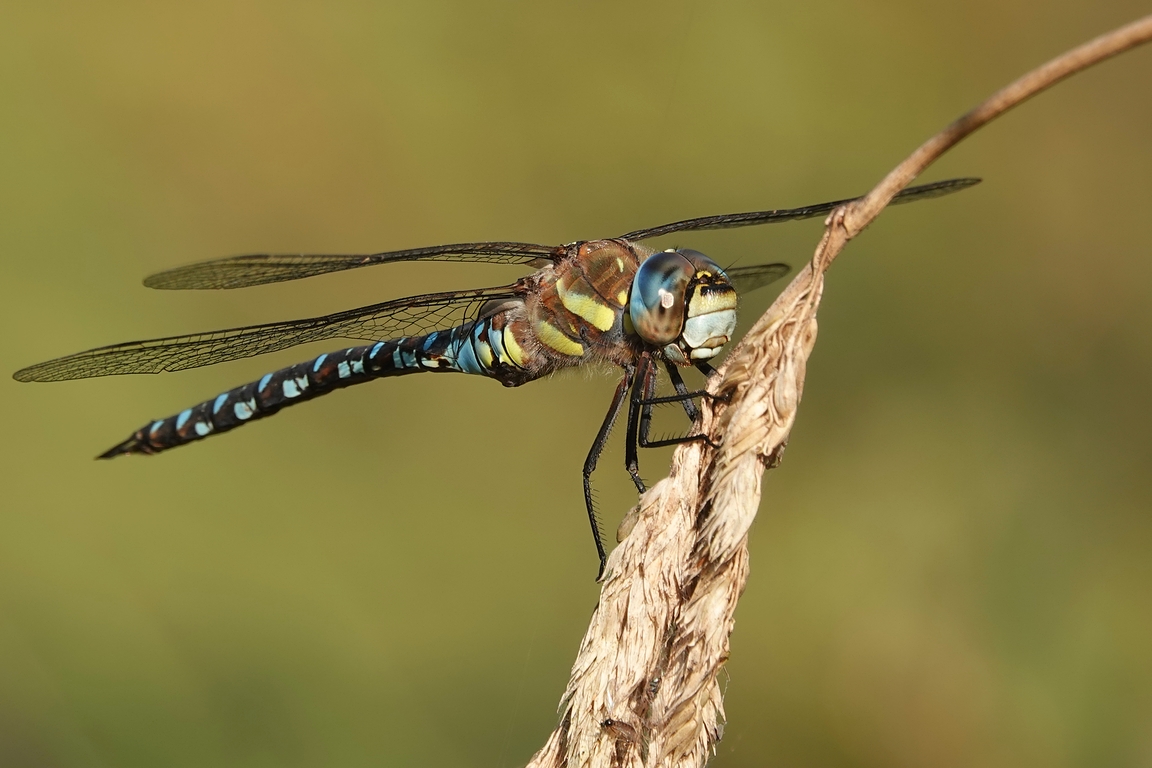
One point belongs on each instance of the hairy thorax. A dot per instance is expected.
(572, 311)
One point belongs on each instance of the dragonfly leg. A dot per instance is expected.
(594, 456)
(682, 396)
(709, 372)
(639, 415)
(676, 441)
(646, 411)
(687, 396)
(681, 390)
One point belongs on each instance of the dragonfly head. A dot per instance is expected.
(682, 301)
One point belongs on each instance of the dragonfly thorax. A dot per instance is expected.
(682, 301)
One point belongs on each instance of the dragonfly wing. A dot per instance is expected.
(755, 218)
(258, 269)
(746, 279)
(390, 319)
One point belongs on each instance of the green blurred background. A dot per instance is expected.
(953, 566)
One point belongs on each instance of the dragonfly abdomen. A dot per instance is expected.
(252, 401)
(453, 350)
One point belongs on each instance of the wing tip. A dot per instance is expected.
(934, 189)
(39, 372)
(159, 280)
(213, 277)
(948, 186)
(182, 279)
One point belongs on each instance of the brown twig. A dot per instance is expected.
(643, 690)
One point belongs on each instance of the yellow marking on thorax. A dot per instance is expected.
(604, 273)
(512, 347)
(551, 337)
(587, 306)
(622, 297)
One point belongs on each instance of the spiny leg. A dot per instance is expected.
(709, 372)
(594, 456)
(682, 396)
(645, 421)
(678, 384)
(643, 384)
(644, 443)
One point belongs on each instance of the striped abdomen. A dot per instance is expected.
(485, 347)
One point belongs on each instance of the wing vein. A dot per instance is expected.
(755, 218)
(260, 269)
(375, 322)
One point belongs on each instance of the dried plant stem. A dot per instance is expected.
(644, 689)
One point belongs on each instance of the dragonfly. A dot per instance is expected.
(611, 301)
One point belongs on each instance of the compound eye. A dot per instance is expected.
(657, 303)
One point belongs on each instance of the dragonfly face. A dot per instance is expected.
(683, 301)
(608, 301)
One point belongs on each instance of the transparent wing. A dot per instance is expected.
(257, 269)
(746, 279)
(754, 218)
(377, 322)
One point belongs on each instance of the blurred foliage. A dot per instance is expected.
(952, 567)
